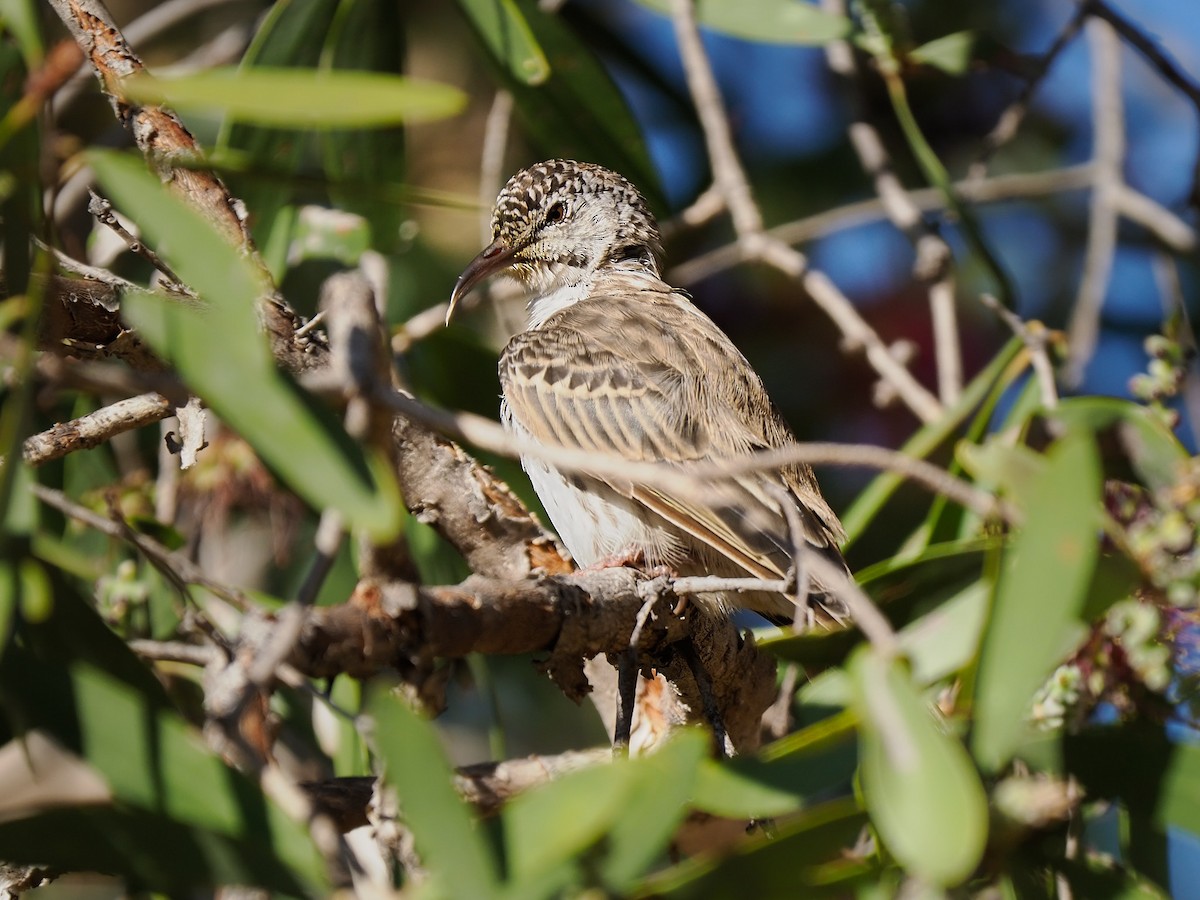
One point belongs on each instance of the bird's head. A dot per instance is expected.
(557, 223)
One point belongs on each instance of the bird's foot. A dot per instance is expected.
(633, 557)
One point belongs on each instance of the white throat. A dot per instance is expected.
(542, 306)
(561, 293)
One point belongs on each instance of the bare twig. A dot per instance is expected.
(934, 264)
(1010, 120)
(728, 174)
(1109, 117)
(730, 179)
(1035, 336)
(852, 215)
(182, 569)
(1167, 67)
(491, 156)
(96, 428)
(1163, 224)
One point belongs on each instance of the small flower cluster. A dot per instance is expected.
(1060, 693)
(1162, 529)
(1163, 378)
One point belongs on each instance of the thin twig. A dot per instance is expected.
(102, 210)
(95, 428)
(934, 263)
(182, 568)
(1010, 120)
(1108, 116)
(728, 173)
(1035, 336)
(1167, 67)
(852, 215)
(863, 611)
(1167, 227)
(730, 178)
(491, 155)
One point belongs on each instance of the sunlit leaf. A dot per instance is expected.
(628, 809)
(767, 21)
(578, 112)
(508, 36)
(1153, 450)
(808, 854)
(1040, 596)
(302, 98)
(447, 839)
(184, 817)
(951, 53)
(1000, 372)
(222, 355)
(920, 786)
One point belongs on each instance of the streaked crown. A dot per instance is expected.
(575, 214)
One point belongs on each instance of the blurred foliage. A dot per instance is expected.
(1027, 701)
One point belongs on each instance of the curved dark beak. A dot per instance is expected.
(495, 257)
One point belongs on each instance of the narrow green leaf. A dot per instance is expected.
(767, 21)
(662, 786)
(20, 18)
(920, 786)
(807, 855)
(1153, 450)
(291, 33)
(999, 372)
(556, 822)
(447, 839)
(303, 98)
(629, 809)
(578, 112)
(366, 35)
(1040, 595)
(222, 356)
(951, 52)
(723, 791)
(209, 820)
(508, 36)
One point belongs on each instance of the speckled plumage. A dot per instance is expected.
(617, 362)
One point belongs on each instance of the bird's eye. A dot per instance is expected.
(555, 214)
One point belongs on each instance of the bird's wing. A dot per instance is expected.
(650, 378)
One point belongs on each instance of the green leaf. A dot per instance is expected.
(578, 112)
(447, 840)
(302, 98)
(155, 852)
(222, 356)
(951, 53)
(1040, 596)
(20, 18)
(201, 821)
(767, 21)
(1152, 449)
(627, 811)
(807, 854)
(509, 38)
(291, 33)
(786, 775)
(920, 786)
(1000, 372)
(903, 590)
(366, 35)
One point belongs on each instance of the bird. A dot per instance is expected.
(615, 361)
